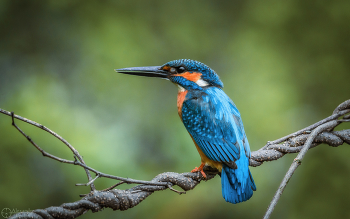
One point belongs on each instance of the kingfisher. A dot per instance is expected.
(213, 122)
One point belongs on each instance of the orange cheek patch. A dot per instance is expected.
(195, 76)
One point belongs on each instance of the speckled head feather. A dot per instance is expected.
(208, 74)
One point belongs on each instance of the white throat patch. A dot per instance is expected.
(181, 89)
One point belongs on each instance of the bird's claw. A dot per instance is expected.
(200, 169)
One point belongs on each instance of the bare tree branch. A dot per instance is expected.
(75, 152)
(76, 162)
(300, 141)
(297, 162)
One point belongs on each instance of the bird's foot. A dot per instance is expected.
(200, 169)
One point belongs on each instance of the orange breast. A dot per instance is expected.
(180, 99)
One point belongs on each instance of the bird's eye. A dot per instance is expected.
(172, 70)
(181, 69)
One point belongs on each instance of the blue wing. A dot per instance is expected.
(215, 124)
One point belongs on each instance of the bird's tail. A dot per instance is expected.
(237, 184)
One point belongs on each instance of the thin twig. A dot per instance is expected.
(126, 180)
(296, 163)
(115, 185)
(307, 129)
(79, 163)
(88, 183)
(75, 152)
(177, 191)
(44, 153)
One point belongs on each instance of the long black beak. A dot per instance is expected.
(150, 71)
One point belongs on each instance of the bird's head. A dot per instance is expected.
(187, 74)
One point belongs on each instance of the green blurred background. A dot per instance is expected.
(284, 63)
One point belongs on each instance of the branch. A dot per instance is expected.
(321, 132)
(296, 163)
(75, 152)
(76, 162)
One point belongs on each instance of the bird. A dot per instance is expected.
(213, 122)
